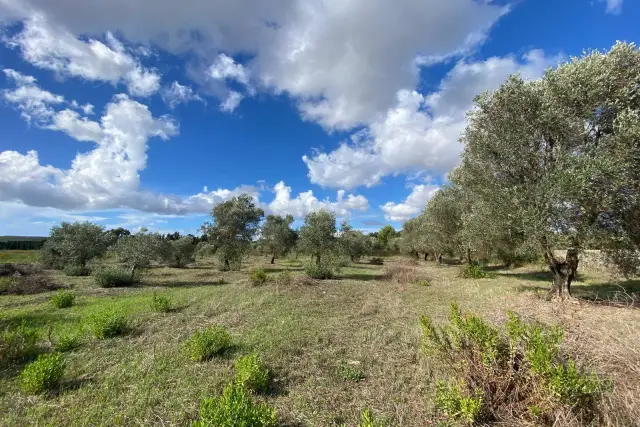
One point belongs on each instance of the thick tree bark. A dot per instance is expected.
(318, 259)
(438, 258)
(226, 264)
(469, 255)
(426, 256)
(564, 272)
(133, 272)
(273, 259)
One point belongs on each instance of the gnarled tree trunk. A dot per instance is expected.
(564, 271)
(426, 256)
(273, 259)
(438, 258)
(318, 259)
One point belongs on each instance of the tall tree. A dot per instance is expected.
(318, 234)
(138, 250)
(74, 243)
(353, 243)
(557, 160)
(179, 252)
(385, 235)
(235, 224)
(277, 236)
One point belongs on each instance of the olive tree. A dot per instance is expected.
(235, 224)
(74, 244)
(318, 234)
(353, 243)
(556, 160)
(277, 236)
(178, 253)
(138, 250)
(385, 235)
(441, 223)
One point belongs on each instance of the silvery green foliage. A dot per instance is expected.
(558, 158)
(318, 234)
(179, 253)
(438, 228)
(277, 236)
(353, 243)
(138, 250)
(235, 225)
(74, 243)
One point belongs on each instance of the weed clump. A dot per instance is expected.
(319, 271)
(63, 299)
(350, 372)
(108, 323)
(44, 374)
(235, 408)
(67, 341)
(207, 343)
(115, 277)
(367, 419)
(161, 303)
(402, 273)
(424, 283)
(517, 377)
(252, 373)
(258, 277)
(284, 279)
(376, 260)
(76, 270)
(473, 271)
(18, 343)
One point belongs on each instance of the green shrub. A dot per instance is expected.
(76, 270)
(19, 343)
(518, 377)
(161, 303)
(319, 271)
(376, 260)
(258, 277)
(209, 342)
(252, 373)
(235, 408)
(350, 372)
(67, 341)
(63, 299)
(451, 403)
(43, 374)
(367, 419)
(108, 323)
(115, 277)
(284, 279)
(473, 271)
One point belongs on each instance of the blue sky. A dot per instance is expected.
(148, 112)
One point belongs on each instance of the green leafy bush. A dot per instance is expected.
(252, 373)
(500, 376)
(319, 271)
(67, 341)
(63, 299)
(161, 303)
(350, 372)
(18, 343)
(235, 408)
(43, 374)
(367, 419)
(209, 342)
(76, 270)
(108, 323)
(473, 271)
(376, 260)
(284, 279)
(258, 277)
(115, 277)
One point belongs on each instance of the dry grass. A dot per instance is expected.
(304, 333)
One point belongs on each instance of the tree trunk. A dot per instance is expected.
(226, 264)
(417, 255)
(273, 259)
(438, 258)
(318, 259)
(133, 272)
(426, 256)
(564, 271)
(469, 255)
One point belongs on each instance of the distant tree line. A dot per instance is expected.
(23, 245)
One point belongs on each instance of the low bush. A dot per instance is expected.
(403, 273)
(108, 323)
(209, 342)
(252, 373)
(473, 271)
(67, 341)
(376, 261)
(284, 279)
(75, 270)
(515, 377)
(115, 277)
(258, 277)
(63, 299)
(350, 372)
(43, 374)
(319, 271)
(235, 408)
(19, 343)
(161, 303)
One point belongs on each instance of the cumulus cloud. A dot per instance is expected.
(231, 102)
(420, 133)
(413, 204)
(34, 103)
(52, 47)
(176, 94)
(306, 202)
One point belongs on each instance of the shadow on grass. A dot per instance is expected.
(187, 284)
(361, 276)
(281, 269)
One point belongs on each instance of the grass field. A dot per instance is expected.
(306, 334)
(18, 256)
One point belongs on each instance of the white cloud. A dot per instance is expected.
(34, 103)
(231, 102)
(52, 47)
(178, 94)
(614, 7)
(77, 127)
(412, 206)
(306, 202)
(225, 68)
(420, 133)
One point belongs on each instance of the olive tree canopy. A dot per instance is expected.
(277, 236)
(558, 160)
(74, 243)
(317, 235)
